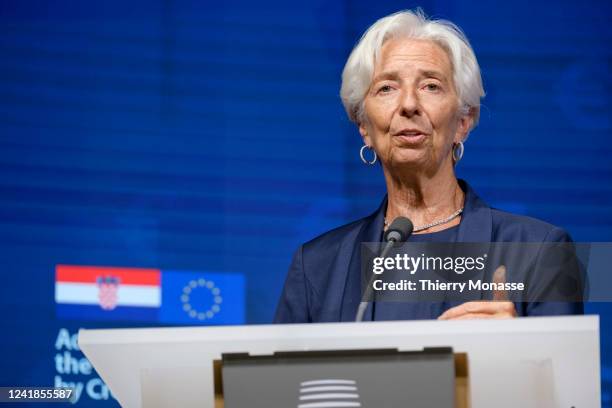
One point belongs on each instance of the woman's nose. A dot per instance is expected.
(409, 103)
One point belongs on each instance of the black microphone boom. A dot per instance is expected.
(399, 231)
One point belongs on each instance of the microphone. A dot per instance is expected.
(399, 231)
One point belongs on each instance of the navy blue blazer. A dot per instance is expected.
(324, 280)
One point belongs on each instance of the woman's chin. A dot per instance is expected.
(409, 159)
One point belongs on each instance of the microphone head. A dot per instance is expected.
(399, 230)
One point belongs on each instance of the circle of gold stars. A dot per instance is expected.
(193, 286)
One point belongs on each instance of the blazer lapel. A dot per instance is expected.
(371, 231)
(476, 226)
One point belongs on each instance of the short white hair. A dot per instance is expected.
(359, 68)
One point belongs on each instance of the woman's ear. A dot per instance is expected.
(466, 121)
(363, 131)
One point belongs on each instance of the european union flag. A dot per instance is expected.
(208, 298)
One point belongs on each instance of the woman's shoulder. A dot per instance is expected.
(515, 227)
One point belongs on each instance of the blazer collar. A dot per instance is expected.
(476, 221)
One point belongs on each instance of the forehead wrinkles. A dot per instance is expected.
(410, 54)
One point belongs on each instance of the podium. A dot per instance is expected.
(528, 362)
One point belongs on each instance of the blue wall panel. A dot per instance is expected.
(208, 136)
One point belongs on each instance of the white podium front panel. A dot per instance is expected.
(526, 362)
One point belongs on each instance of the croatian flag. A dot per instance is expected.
(107, 293)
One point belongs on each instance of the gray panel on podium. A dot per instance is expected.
(344, 378)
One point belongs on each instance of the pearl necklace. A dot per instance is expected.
(433, 224)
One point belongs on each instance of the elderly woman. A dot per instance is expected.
(413, 88)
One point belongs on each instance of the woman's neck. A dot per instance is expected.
(424, 199)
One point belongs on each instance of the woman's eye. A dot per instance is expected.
(432, 87)
(385, 88)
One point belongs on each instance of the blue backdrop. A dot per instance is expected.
(203, 138)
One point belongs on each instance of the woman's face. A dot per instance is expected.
(411, 110)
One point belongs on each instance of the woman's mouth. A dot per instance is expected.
(410, 136)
